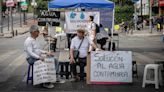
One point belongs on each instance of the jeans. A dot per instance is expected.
(82, 63)
(31, 60)
(56, 65)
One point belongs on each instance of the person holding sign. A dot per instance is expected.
(81, 44)
(33, 52)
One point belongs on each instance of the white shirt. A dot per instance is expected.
(91, 26)
(84, 46)
(32, 48)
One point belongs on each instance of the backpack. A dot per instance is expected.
(97, 28)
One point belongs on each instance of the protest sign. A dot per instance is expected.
(44, 71)
(106, 67)
(79, 20)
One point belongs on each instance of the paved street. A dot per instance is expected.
(13, 66)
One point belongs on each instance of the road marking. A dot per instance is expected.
(156, 56)
(9, 70)
(143, 59)
(7, 55)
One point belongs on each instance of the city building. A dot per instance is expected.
(157, 7)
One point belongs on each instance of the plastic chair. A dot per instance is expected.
(157, 80)
(30, 74)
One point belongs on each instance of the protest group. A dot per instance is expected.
(90, 53)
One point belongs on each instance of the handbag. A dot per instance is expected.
(76, 52)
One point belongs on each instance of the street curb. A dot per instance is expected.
(21, 33)
(143, 35)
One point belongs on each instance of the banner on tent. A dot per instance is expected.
(108, 66)
(44, 71)
(79, 20)
(106, 17)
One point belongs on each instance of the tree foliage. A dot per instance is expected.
(124, 10)
(42, 4)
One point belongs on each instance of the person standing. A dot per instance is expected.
(80, 43)
(91, 31)
(34, 53)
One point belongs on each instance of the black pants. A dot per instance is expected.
(53, 45)
(102, 42)
(82, 63)
(113, 46)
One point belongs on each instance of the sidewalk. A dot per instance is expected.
(18, 30)
(144, 32)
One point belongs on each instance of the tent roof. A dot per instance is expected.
(80, 3)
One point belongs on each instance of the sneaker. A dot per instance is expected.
(60, 81)
(48, 85)
(66, 49)
(75, 79)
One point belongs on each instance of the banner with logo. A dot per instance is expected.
(108, 67)
(44, 71)
(79, 20)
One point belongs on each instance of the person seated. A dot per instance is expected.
(34, 53)
(102, 36)
(80, 43)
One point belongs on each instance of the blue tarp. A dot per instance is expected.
(80, 3)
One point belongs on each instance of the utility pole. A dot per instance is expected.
(141, 14)
(24, 18)
(1, 16)
(135, 18)
(12, 30)
(20, 15)
(150, 12)
(8, 19)
(24, 8)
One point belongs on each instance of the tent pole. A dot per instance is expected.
(112, 32)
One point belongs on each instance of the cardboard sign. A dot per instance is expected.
(79, 20)
(44, 71)
(109, 67)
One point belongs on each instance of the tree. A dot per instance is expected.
(122, 2)
(42, 4)
(123, 10)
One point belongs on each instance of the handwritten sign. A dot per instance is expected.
(79, 20)
(111, 66)
(44, 71)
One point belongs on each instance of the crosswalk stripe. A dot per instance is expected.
(142, 58)
(8, 71)
(7, 55)
(156, 56)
